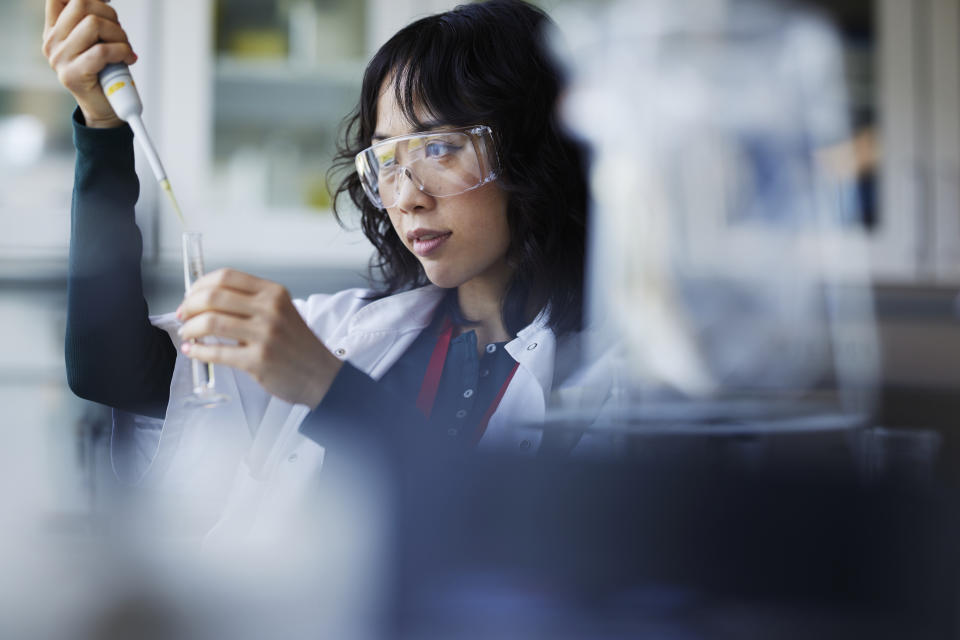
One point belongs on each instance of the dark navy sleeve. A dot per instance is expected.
(113, 354)
(358, 405)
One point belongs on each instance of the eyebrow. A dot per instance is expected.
(428, 125)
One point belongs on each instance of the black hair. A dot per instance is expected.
(486, 63)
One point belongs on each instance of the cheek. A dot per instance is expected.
(494, 225)
(394, 217)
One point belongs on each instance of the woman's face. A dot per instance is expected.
(458, 239)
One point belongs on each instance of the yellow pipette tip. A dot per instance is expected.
(165, 183)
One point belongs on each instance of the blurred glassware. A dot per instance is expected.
(719, 256)
(898, 455)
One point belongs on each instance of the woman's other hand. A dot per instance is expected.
(80, 38)
(273, 343)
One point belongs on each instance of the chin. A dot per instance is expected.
(442, 278)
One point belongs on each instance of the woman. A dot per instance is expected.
(474, 200)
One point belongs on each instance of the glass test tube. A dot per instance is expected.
(204, 390)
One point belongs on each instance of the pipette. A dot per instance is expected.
(121, 92)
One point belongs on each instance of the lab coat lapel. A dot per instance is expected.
(382, 331)
(198, 448)
(535, 349)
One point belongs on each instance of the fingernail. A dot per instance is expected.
(180, 331)
(185, 347)
(180, 313)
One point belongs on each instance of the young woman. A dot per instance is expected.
(475, 201)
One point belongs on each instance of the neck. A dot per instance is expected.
(481, 300)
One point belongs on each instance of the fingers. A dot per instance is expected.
(93, 60)
(234, 292)
(236, 357)
(236, 305)
(243, 330)
(75, 13)
(233, 279)
(89, 33)
(216, 298)
(52, 11)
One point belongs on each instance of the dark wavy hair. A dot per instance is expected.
(485, 63)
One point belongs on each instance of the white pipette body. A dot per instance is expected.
(121, 92)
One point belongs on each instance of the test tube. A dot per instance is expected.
(204, 382)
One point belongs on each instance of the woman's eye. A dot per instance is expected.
(439, 149)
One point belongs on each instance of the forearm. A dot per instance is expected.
(113, 354)
(356, 406)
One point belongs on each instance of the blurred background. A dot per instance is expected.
(245, 98)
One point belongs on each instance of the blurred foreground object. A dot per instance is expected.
(719, 254)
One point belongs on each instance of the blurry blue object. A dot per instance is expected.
(722, 264)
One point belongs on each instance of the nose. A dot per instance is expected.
(409, 196)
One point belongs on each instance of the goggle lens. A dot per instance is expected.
(441, 164)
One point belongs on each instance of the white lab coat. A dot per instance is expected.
(244, 465)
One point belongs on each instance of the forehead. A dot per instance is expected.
(391, 121)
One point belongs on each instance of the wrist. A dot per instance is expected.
(323, 380)
(94, 120)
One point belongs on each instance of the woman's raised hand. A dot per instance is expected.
(80, 38)
(273, 343)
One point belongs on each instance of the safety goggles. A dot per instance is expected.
(438, 163)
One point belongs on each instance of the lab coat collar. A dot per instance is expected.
(534, 348)
(413, 310)
(405, 311)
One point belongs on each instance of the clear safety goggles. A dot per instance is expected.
(438, 163)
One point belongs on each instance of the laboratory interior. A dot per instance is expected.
(773, 257)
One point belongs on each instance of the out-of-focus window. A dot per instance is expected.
(249, 125)
(36, 150)
(286, 73)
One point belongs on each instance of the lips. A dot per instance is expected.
(426, 241)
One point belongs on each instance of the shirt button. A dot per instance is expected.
(491, 348)
(532, 346)
(461, 413)
(340, 352)
(292, 457)
(452, 432)
(485, 373)
(468, 393)
(525, 444)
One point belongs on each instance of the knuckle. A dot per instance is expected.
(259, 351)
(274, 296)
(212, 297)
(276, 305)
(208, 298)
(212, 353)
(98, 51)
(66, 77)
(271, 332)
(90, 22)
(46, 44)
(211, 323)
